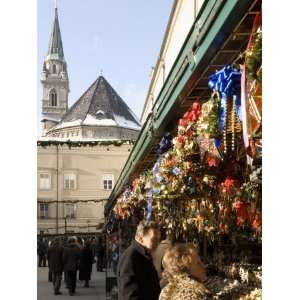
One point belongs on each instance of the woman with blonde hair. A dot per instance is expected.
(185, 273)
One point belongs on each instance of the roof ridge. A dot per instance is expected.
(93, 96)
(123, 102)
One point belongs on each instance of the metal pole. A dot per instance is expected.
(56, 189)
(65, 224)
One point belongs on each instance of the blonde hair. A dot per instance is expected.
(178, 259)
(144, 227)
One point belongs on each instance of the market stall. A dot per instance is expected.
(203, 181)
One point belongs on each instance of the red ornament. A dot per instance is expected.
(186, 115)
(180, 139)
(256, 224)
(228, 184)
(183, 123)
(212, 162)
(189, 133)
(241, 212)
(196, 106)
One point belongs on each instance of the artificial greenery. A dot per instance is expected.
(254, 59)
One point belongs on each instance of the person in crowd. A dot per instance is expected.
(86, 264)
(93, 245)
(108, 255)
(159, 253)
(185, 274)
(49, 270)
(100, 251)
(71, 256)
(42, 252)
(79, 242)
(55, 262)
(115, 256)
(137, 277)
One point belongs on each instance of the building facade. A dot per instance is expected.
(73, 183)
(82, 149)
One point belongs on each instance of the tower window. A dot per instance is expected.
(54, 69)
(53, 98)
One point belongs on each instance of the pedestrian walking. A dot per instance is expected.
(42, 252)
(86, 264)
(100, 252)
(55, 262)
(71, 257)
(137, 277)
(115, 256)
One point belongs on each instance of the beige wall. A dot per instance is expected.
(180, 23)
(89, 164)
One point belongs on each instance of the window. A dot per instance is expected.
(70, 211)
(44, 212)
(45, 181)
(108, 181)
(54, 69)
(70, 181)
(53, 98)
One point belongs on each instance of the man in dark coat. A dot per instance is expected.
(55, 262)
(71, 257)
(86, 263)
(137, 277)
(100, 251)
(42, 252)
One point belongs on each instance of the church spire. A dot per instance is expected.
(54, 79)
(55, 49)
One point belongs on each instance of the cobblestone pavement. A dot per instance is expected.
(96, 290)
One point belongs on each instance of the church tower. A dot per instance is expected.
(54, 79)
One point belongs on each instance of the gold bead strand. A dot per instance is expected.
(233, 123)
(225, 127)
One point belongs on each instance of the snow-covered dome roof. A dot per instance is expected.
(99, 106)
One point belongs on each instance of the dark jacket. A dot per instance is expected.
(137, 277)
(55, 258)
(86, 263)
(71, 257)
(42, 247)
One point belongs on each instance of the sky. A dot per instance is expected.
(120, 37)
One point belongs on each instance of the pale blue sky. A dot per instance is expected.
(121, 37)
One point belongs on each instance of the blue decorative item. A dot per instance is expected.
(155, 191)
(176, 171)
(165, 143)
(156, 167)
(227, 82)
(149, 209)
(191, 185)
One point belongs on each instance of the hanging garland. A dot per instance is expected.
(75, 144)
(72, 201)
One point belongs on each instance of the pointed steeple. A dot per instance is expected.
(54, 79)
(55, 49)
